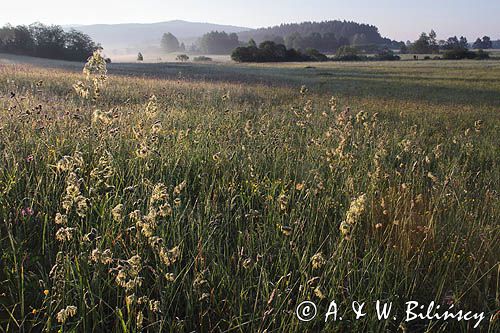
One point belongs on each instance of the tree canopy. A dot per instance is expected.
(216, 42)
(46, 42)
(170, 43)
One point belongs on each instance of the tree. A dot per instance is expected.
(452, 43)
(347, 53)
(485, 43)
(252, 43)
(403, 49)
(464, 44)
(169, 43)
(478, 44)
(50, 40)
(79, 46)
(269, 51)
(218, 42)
(46, 41)
(140, 57)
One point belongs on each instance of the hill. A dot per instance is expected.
(117, 38)
(365, 33)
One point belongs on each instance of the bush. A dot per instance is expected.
(271, 52)
(202, 58)
(315, 55)
(182, 57)
(458, 54)
(481, 55)
(348, 53)
(386, 55)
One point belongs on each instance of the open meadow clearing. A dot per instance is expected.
(218, 197)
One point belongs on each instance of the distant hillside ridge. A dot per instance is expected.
(352, 31)
(144, 35)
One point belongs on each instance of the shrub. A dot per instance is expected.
(269, 51)
(387, 55)
(182, 57)
(458, 54)
(202, 58)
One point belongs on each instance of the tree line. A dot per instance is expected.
(451, 48)
(46, 41)
(326, 36)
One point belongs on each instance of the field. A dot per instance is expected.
(218, 197)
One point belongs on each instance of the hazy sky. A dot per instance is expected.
(396, 19)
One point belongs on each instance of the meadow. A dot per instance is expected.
(218, 197)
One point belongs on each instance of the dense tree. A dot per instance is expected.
(485, 43)
(169, 43)
(79, 46)
(269, 51)
(425, 44)
(218, 42)
(403, 49)
(340, 29)
(46, 41)
(50, 40)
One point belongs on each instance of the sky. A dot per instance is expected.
(396, 19)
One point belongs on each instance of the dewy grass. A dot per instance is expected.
(131, 204)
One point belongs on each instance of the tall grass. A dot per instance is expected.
(137, 204)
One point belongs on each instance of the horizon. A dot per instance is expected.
(391, 21)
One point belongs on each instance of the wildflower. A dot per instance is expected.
(345, 230)
(165, 210)
(247, 263)
(139, 320)
(29, 158)
(299, 186)
(81, 206)
(156, 128)
(105, 257)
(432, 177)
(154, 306)
(135, 216)
(179, 188)
(319, 293)
(356, 209)
(170, 277)
(66, 313)
(478, 125)
(117, 213)
(249, 128)
(152, 106)
(287, 231)
(27, 212)
(317, 260)
(64, 234)
(169, 257)
(46, 292)
(130, 299)
(61, 219)
(95, 255)
(159, 194)
(142, 151)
